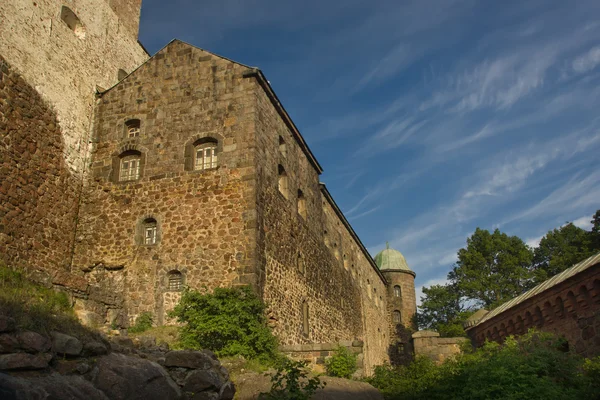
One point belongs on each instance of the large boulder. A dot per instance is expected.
(122, 377)
(65, 344)
(33, 342)
(53, 386)
(24, 361)
(189, 359)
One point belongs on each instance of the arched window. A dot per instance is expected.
(305, 327)
(397, 291)
(72, 21)
(282, 148)
(129, 165)
(150, 231)
(301, 204)
(175, 280)
(205, 154)
(396, 317)
(121, 74)
(132, 128)
(283, 181)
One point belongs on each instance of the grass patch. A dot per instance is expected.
(238, 365)
(162, 334)
(37, 308)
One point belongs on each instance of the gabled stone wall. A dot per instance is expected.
(205, 220)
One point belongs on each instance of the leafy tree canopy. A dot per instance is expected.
(492, 269)
(560, 249)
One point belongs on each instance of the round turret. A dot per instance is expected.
(392, 260)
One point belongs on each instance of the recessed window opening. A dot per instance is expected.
(205, 155)
(150, 231)
(175, 280)
(72, 21)
(305, 327)
(301, 204)
(130, 166)
(282, 147)
(397, 291)
(122, 74)
(300, 264)
(282, 181)
(133, 128)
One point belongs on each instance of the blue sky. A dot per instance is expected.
(429, 117)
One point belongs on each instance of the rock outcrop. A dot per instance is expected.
(59, 366)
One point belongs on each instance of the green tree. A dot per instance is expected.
(229, 321)
(595, 234)
(492, 269)
(442, 310)
(560, 249)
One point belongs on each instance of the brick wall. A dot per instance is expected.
(570, 309)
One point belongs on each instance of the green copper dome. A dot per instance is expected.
(390, 259)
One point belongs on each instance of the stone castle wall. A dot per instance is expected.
(430, 344)
(300, 265)
(205, 226)
(38, 194)
(65, 66)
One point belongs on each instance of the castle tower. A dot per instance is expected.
(402, 304)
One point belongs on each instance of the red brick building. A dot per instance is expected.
(567, 304)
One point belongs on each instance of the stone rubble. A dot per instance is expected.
(34, 366)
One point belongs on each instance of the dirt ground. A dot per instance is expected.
(250, 385)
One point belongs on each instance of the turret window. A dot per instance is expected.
(397, 317)
(397, 291)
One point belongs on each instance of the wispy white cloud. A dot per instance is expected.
(583, 223)
(587, 61)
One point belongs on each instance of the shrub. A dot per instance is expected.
(291, 382)
(229, 321)
(534, 366)
(142, 323)
(342, 363)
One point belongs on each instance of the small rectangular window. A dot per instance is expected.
(150, 237)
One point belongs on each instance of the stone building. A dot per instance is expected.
(568, 304)
(127, 177)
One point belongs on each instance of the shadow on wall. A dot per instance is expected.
(401, 350)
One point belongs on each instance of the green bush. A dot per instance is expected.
(534, 366)
(291, 382)
(342, 363)
(229, 321)
(142, 323)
